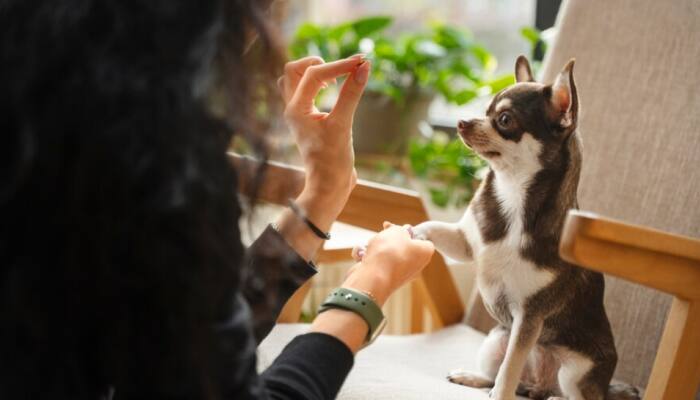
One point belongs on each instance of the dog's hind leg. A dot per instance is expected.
(490, 357)
(581, 378)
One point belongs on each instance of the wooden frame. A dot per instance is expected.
(659, 260)
(370, 204)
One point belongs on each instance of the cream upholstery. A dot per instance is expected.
(638, 77)
(399, 367)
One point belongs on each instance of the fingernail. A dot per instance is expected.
(362, 73)
(358, 56)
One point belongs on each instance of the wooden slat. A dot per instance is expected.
(445, 304)
(281, 182)
(333, 255)
(417, 308)
(623, 233)
(369, 205)
(676, 371)
(668, 262)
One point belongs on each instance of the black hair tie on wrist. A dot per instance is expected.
(302, 215)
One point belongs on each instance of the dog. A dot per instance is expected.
(553, 339)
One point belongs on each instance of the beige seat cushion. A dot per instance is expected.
(409, 367)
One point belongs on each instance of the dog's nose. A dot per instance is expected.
(463, 125)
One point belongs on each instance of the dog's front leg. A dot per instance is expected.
(449, 239)
(523, 336)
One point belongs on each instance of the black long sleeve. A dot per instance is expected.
(273, 273)
(311, 367)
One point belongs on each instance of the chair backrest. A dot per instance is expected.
(638, 77)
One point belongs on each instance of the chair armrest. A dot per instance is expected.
(660, 260)
(369, 205)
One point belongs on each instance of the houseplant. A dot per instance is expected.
(449, 170)
(408, 71)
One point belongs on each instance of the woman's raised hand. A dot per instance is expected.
(324, 139)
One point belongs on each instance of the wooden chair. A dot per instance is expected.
(638, 81)
(370, 204)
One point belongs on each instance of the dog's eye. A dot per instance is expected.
(505, 121)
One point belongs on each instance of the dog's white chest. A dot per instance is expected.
(502, 273)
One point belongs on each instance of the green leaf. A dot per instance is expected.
(486, 59)
(368, 26)
(533, 35)
(464, 96)
(307, 31)
(336, 33)
(501, 82)
(440, 197)
(448, 165)
(429, 48)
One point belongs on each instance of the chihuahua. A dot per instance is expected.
(553, 339)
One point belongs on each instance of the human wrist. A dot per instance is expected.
(377, 286)
(345, 325)
(331, 184)
(322, 208)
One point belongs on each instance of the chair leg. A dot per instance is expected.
(676, 371)
(417, 309)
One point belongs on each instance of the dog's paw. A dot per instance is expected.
(419, 232)
(358, 253)
(470, 379)
(623, 391)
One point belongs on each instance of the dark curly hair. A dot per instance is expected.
(119, 239)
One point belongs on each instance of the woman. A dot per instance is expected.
(122, 269)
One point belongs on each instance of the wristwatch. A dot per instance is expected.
(360, 303)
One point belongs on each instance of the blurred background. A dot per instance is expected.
(434, 62)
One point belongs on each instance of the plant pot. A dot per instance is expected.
(383, 126)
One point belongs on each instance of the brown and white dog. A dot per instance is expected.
(553, 339)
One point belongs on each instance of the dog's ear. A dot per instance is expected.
(564, 97)
(523, 73)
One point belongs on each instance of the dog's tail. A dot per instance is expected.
(622, 391)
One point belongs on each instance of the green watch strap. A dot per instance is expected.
(358, 302)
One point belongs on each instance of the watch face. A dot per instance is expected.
(379, 330)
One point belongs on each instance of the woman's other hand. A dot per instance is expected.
(392, 258)
(324, 139)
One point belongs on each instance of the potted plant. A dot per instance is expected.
(408, 71)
